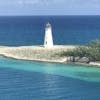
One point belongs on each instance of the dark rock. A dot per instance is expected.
(83, 60)
(76, 59)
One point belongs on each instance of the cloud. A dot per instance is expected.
(24, 2)
(35, 2)
(50, 6)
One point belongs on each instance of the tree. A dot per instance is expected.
(94, 44)
(91, 51)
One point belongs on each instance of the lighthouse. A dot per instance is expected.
(48, 40)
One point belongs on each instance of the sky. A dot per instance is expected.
(49, 7)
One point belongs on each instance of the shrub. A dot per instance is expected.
(91, 51)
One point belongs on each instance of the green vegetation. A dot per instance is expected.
(90, 51)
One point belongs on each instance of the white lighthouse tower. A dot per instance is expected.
(48, 41)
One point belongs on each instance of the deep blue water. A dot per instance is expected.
(26, 80)
(29, 30)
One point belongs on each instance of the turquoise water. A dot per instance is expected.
(27, 80)
(84, 73)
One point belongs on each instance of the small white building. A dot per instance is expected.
(48, 40)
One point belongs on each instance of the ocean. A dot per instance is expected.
(67, 30)
(29, 80)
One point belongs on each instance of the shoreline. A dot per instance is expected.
(41, 54)
(70, 63)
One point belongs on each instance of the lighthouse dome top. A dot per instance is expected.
(48, 25)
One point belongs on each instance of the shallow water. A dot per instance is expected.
(27, 80)
(85, 73)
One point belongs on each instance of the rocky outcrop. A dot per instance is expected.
(83, 60)
(78, 59)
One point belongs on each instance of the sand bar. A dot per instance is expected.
(36, 53)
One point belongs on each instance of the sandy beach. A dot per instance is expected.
(36, 53)
(39, 53)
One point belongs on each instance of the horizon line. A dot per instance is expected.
(45, 15)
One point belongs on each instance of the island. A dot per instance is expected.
(86, 55)
(36, 53)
